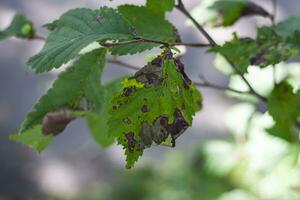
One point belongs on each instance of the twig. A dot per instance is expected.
(38, 37)
(205, 83)
(273, 18)
(181, 7)
(124, 64)
(143, 40)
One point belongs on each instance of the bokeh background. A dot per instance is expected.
(74, 167)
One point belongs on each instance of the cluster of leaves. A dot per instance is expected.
(158, 103)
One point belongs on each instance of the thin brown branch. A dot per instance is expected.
(142, 40)
(124, 64)
(273, 17)
(38, 37)
(181, 7)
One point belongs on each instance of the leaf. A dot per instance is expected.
(20, 27)
(268, 48)
(97, 121)
(226, 13)
(147, 25)
(288, 27)
(33, 138)
(160, 7)
(75, 30)
(157, 102)
(238, 51)
(284, 107)
(70, 89)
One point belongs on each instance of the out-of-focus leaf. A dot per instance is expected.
(20, 27)
(284, 107)
(160, 7)
(226, 13)
(33, 138)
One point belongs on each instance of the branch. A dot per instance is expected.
(273, 17)
(142, 40)
(124, 64)
(205, 83)
(38, 37)
(181, 7)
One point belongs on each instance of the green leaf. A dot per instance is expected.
(288, 27)
(70, 88)
(20, 27)
(159, 101)
(226, 13)
(268, 48)
(238, 51)
(33, 138)
(145, 24)
(160, 7)
(97, 121)
(75, 30)
(284, 107)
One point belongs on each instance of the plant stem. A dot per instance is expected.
(124, 64)
(181, 7)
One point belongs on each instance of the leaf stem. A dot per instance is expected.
(181, 7)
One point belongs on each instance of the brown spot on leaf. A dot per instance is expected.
(145, 109)
(55, 122)
(128, 91)
(130, 140)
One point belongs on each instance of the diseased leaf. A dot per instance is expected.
(20, 27)
(75, 30)
(145, 24)
(157, 102)
(268, 48)
(160, 7)
(33, 138)
(98, 120)
(284, 107)
(70, 91)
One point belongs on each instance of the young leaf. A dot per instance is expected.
(146, 24)
(20, 27)
(160, 7)
(68, 91)
(97, 120)
(158, 102)
(284, 107)
(226, 13)
(33, 138)
(75, 30)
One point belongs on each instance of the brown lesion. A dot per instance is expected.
(55, 122)
(130, 141)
